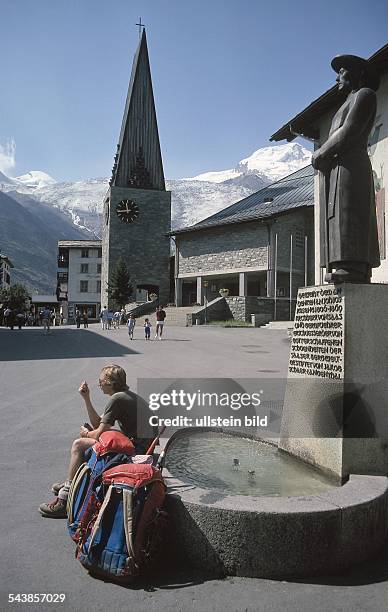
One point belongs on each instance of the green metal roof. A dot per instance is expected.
(294, 191)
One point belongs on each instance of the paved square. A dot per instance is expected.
(41, 413)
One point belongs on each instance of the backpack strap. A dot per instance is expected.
(128, 522)
(74, 486)
(99, 516)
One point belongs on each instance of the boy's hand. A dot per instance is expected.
(84, 389)
(83, 432)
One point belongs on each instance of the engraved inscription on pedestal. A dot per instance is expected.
(317, 347)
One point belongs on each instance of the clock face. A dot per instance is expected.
(127, 211)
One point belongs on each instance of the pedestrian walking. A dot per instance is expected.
(85, 319)
(131, 325)
(122, 318)
(160, 317)
(147, 329)
(78, 318)
(104, 318)
(7, 313)
(116, 319)
(110, 318)
(46, 319)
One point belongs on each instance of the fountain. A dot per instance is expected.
(266, 514)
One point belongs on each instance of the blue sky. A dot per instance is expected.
(226, 75)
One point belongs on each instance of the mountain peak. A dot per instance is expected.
(270, 163)
(277, 161)
(35, 179)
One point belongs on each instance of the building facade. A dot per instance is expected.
(261, 246)
(137, 207)
(79, 277)
(314, 123)
(5, 271)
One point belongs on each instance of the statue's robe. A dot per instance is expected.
(347, 198)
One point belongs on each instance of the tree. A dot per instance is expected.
(15, 297)
(120, 288)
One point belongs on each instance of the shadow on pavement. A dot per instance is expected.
(372, 571)
(367, 573)
(30, 344)
(167, 578)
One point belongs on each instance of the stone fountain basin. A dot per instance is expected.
(277, 537)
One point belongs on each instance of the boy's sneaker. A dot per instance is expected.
(54, 509)
(57, 486)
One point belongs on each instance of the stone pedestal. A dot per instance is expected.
(336, 404)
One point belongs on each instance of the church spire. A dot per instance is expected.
(138, 162)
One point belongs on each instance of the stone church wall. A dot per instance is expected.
(224, 248)
(143, 244)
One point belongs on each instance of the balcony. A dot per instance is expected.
(63, 262)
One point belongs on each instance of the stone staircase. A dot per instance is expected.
(288, 326)
(176, 316)
(279, 325)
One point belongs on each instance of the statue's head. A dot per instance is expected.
(354, 72)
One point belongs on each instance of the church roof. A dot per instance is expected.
(138, 162)
(294, 191)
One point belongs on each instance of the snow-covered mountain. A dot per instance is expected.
(269, 163)
(35, 179)
(193, 198)
(6, 183)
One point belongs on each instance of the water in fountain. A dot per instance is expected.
(236, 465)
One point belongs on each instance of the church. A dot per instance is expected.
(137, 207)
(255, 252)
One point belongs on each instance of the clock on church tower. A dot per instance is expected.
(127, 211)
(137, 207)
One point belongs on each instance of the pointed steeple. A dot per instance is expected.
(138, 162)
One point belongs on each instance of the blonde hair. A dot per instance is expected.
(115, 376)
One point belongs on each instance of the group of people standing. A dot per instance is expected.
(82, 318)
(110, 319)
(160, 318)
(16, 318)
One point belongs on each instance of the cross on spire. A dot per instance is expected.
(141, 25)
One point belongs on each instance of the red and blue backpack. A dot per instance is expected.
(115, 515)
(113, 448)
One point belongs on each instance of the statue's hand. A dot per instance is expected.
(315, 159)
(318, 161)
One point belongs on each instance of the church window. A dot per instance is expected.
(84, 253)
(98, 286)
(83, 286)
(99, 253)
(98, 268)
(84, 268)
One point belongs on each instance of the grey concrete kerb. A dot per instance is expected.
(278, 537)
